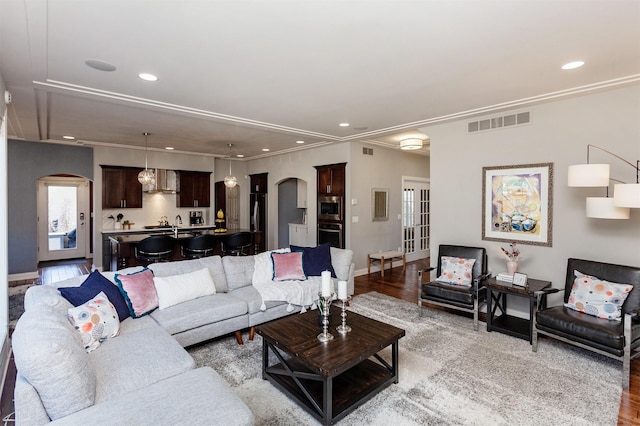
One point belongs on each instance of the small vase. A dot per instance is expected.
(512, 267)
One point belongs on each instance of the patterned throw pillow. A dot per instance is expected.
(597, 297)
(456, 270)
(139, 292)
(96, 321)
(288, 266)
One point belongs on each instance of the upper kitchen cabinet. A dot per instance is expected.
(331, 179)
(259, 183)
(194, 189)
(120, 188)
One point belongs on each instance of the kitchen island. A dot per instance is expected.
(118, 246)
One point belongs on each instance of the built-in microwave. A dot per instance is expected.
(329, 208)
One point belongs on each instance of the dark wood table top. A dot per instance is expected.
(297, 334)
(532, 286)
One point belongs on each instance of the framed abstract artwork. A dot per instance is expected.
(517, 203)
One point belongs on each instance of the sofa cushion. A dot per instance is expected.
(288, 266)
(96, 320)
(198, 312)
(253, 299)
(239, 270)
(341, 259)
(94, 284)
(136, 360)
(48, 353)
(139, 292)
(176, 289)
(316, 259)
(597, 297)
(212, 263)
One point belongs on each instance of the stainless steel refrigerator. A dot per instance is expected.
(258, 222)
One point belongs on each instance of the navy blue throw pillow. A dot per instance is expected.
(94, 284)
(316, 259)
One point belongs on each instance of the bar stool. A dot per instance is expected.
(198, 246)
(236, 243)
(155, 248)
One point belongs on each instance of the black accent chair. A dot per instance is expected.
(155, 248)
(236, 243)
(198, 246)
(467, 299)
(615, 339)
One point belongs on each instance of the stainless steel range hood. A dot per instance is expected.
(165, 182)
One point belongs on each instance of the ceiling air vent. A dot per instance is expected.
(499, 122)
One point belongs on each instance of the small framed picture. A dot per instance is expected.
(519, 279)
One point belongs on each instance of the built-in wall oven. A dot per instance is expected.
(329, 208)
(330, 233)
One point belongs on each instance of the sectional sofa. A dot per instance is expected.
(143, 375)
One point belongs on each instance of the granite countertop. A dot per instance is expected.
(157, 230)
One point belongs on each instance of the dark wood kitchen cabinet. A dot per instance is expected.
(194, 189)
(258, 183)
(120, 188)
(331, 179)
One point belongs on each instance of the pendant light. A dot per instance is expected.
(146, 177)
(230, 181)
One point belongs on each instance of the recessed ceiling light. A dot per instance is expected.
(147, 77)
(300, 142)
(168, 148)
(68, 137)
(266, 149)
(100, 65)
(240, 155)
(343, 124)
(573, 65)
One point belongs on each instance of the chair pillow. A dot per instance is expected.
(597, 297)
(316, 260)
(456, 270)
(176, 289)
(139, 292)
(95, 320)
(94, 284)
(288, 266)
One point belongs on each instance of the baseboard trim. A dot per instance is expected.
(23, 276)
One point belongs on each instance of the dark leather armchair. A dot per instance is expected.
(198, 246)
(155, 248)
(615, 339)
(236, 243)
(467, 299)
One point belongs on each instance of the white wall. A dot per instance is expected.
(4, 237)
(559, 133)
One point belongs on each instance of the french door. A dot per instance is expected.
(415, 218)
(63, 218)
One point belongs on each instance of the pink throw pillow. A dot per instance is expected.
(288, 266)
(139, 292)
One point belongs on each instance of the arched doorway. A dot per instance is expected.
(292, 212)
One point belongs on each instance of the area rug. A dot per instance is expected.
(449, 375)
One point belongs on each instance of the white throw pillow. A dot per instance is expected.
(263, 271)
(176, 289)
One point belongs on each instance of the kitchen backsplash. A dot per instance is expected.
(154, 206)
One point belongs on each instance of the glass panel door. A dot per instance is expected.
(415, 219)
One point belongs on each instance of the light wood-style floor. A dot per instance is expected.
(402, 285)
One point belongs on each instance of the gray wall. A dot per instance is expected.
(27, 162)
(287, 210)
(559, 133)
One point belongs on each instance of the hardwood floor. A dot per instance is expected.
(404, 286)
(395, 283)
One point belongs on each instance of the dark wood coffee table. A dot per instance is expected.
(330, 379)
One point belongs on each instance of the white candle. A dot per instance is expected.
(326, 283)
(342, 290)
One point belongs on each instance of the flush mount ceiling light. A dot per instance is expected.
(68, 138)
(625, 195)
(345, 124)
(230, 181)
(573, 65)
(147, 77)
(146, 177)
(410, 144)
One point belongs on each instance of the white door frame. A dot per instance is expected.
(82, 218)
(422, 183)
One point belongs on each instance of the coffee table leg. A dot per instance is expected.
(327, 400)
(265, 358)
(394, 360)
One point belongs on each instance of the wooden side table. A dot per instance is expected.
(386, 255)
(497, 292)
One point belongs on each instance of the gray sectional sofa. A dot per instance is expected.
(144, 376)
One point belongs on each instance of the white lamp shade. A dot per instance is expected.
(411, 143)
(589, 175)
(603, 208)
(230, 181)
(626, 195)
(146, 177)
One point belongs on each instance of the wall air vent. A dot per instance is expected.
(499, 122)
(367, 151)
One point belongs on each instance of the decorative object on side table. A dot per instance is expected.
(325, 297)
(513, 255)
(342, 295)
(520, 279)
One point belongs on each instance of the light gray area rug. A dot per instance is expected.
(449, 375)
